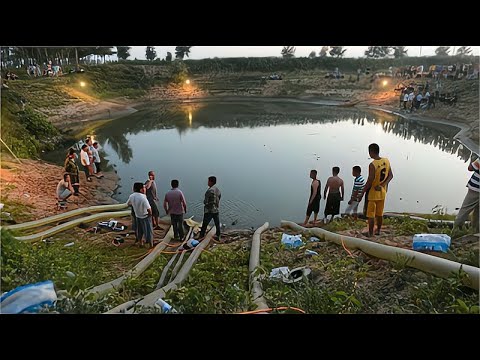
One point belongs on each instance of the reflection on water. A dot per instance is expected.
(262, 153)
(242, 115)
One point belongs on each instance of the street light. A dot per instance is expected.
(385, 82)
(82, 83)
(187, 81)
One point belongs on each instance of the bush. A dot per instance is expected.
(26, 132)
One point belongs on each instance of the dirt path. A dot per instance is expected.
(33, 184)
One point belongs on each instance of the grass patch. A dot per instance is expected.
(92, 259)
(344, 224)
(218, 283)
(341, 284)
(448, 217)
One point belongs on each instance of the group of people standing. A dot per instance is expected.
(145, 213)
(90, 159)
(70, 183)
(379, 176)
(375, 188)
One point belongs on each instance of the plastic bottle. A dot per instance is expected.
(164, 306)
(432, 242)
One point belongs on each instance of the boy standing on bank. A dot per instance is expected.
(358, 185)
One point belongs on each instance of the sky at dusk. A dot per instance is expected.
(202, 52)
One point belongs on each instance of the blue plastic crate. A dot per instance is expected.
(431, 242)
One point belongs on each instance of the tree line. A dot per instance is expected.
(16, 56)
(374, 52)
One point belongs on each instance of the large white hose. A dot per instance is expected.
(150, 299)
(255, 285)
(71, 224)
(110, 286)
(428, 263)
(172, 260)
(65, 215)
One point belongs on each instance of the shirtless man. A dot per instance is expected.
(336, 190)
(315, 196)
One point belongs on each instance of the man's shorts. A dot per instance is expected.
(313, 207)
(353, 207)
(65, 194)
(375, 208)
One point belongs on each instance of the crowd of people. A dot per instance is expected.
(70, 183)
(33, 69)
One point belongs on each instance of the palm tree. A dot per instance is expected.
(442, 50)
(288, 52)
(337, 51)
(464, 50)
(181, 51)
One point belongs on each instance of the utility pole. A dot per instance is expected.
(420, 51)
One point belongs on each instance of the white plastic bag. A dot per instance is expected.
(280, 272)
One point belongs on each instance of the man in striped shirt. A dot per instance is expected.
(470, 203)
(358, 185)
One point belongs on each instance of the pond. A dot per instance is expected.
(262, 153)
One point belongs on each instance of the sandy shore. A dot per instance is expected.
(89, 111)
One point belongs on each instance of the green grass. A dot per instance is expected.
(341, 284)
(218, 283)
(434, 216)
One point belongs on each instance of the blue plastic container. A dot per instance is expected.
(431, 242)
(292, 241)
